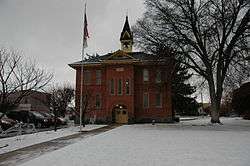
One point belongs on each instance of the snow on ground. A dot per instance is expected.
(14, 143)
(236, 123)
(183, 144)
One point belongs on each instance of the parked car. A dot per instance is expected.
(6, 122)
(50, 117)
(29, 117)
(45, 122)
(59, 120)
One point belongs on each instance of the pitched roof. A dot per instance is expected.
(118, 55)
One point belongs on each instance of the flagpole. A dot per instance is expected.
(81, 94)
(81, 84)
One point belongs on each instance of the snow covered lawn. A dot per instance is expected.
(184, 144)
(14, 143)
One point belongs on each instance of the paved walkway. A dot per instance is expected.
(25, 154)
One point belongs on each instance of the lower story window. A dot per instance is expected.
(98, 101)
(145, 100)
(119, 87)
(158, 100)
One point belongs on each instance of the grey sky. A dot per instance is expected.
(50, 31)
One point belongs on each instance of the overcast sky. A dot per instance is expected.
(50, 31)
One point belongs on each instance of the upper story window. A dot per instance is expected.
(112, 87)
(87, 77)
(145, 75)
(26, 101)
(98, 77)
(158, 99)
(145, 100)
(98, 101)
(119, 87)
(127, 86)
(158, 77)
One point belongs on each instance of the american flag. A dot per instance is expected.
(85, 30)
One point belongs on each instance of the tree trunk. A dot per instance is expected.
(83, 118)
(55, 123)
(215, 112)
(215, 103)
(55, 119)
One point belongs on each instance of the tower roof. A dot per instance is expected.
(126, 28)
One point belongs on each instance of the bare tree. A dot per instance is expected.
(87, 99)
(61, 97)
(210, 34)
(17, 75)
(87, 96)
(238, 73)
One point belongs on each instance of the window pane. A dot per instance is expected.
(98, 77)
(112, 87)
(158, 77)
(145, 100)
(158, 100)
(127, 87)
(145, 75)
(98, 101)
(119, 87)
(87, 77)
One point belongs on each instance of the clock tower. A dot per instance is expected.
(126, 37)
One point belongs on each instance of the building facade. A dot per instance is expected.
(33, 101)
(124, 86)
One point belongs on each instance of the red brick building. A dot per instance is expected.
(125, 86)
(34, 101)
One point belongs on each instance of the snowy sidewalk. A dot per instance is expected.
(160, 144)
(18, 142)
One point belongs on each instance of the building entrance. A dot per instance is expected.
(120, 114)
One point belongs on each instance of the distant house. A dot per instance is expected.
(125, 86)
(204, 108)
(35, 101)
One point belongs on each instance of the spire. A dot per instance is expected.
(126, 28)
(126, 37)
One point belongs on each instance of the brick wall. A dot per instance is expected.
(133, 101)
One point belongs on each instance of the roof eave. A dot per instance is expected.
(76, 65)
